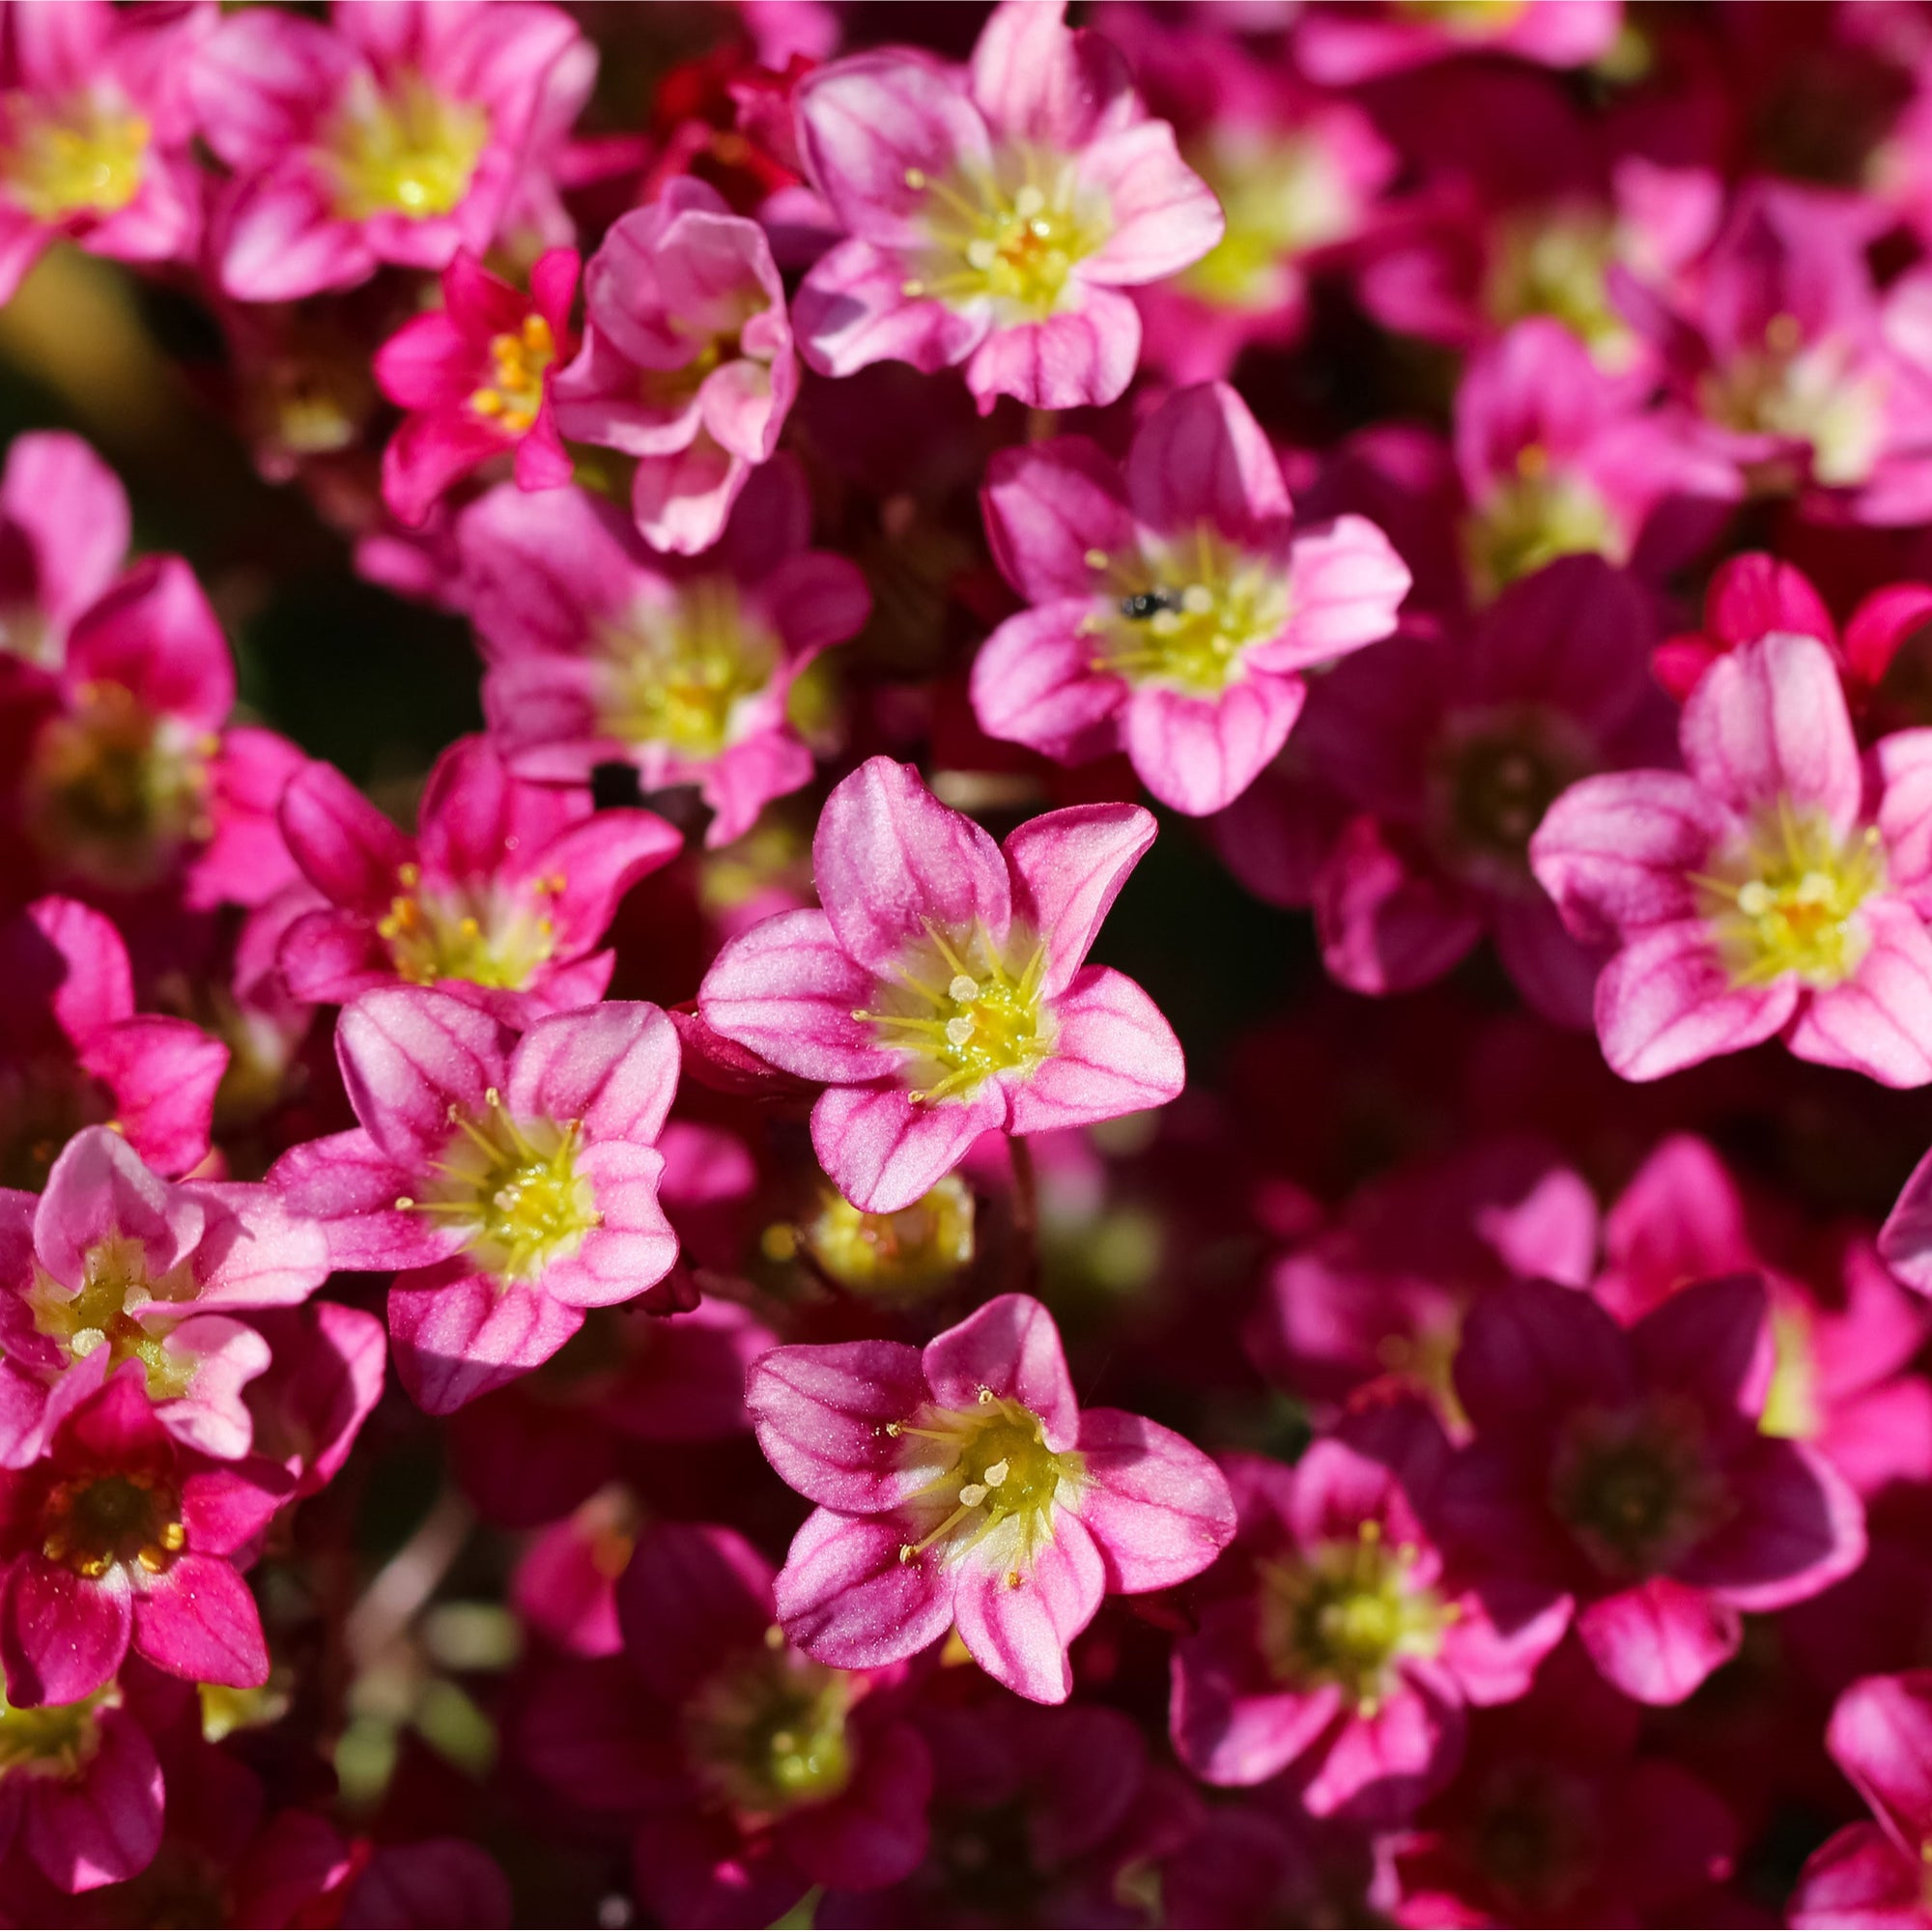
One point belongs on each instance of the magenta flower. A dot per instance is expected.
(941, 992)
(1796, 370)
(1341, 1636)
(81, 1791)
(963, 1485)
(1174, 610)
(1447, 751)
(755, 1772)
(120, 1538)
(64, 525)
(1558, 457)
(512, 1185)
(1340, 46)
(995, 217)
(476, 378)
(130, 779)
(1753, 594)
(392, 134)
(1769, 888)
(114, 1265)
(95, 127)
(1298, 172)
(687, 361)
(1626, 1468)
(501, 896)
(74, 1052)
(1879, 1736)
(599, 652)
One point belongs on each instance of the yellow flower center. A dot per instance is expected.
(892, 1256)
(960, 1011)
(679, 672)
(1808, 394)
(51, 1740)
(516, 394)
(1557, 262)
(85, 156)
(113, 792)
(1282, 196)
(97, 1521)
(1792, 1405)
(768, 1733)
(1346, 1614)
(1533, 519)
(1186, 611)
(411, 152)
(995, 1483)
(482, 933)
(1009, 236)
(1467, 19)
(1785, 898)
(107, 1310)
(513, 1188)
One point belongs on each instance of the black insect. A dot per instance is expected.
(1145, 603)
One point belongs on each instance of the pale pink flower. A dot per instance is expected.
(1772, 887)
(1176, 608)
(995, 217)
(942, 993)
(964, 1485)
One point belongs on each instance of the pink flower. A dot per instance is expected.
(1797, 371)
(476, 378)
(120, 1538)
(392, 134)
(601, 653)
(113, 1264)
(501, 896)
(1174, 612)
(995, 217)
(64, 525)
(1626, 1468)
(1771, 887)
(82, 1790)
(74, 1052)
(1340, 46)
(1341, 1636)
(1843, 1338)
(324, 1380)
(1558, 1818)
(1753, 594)
(514, 1185)
(941, 993)
(1297, 173)
(687, 361)
(95, 127)
(1556, 457)
(1449, 753)
(755, 1773)
(963, 1485)
(130, 779)
(1879, 1736)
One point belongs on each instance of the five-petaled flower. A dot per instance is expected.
(963, 1484)
(941, 992)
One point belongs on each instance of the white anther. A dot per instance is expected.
(981, 253)
(1754, 898)
(1815, 888)
(998, 1474)
(914, 178)
(1197, 600)
(959, 1029)
(963, 987)
(1029, 202)
(972, 1494)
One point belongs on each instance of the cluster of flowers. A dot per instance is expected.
(471, 1442)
